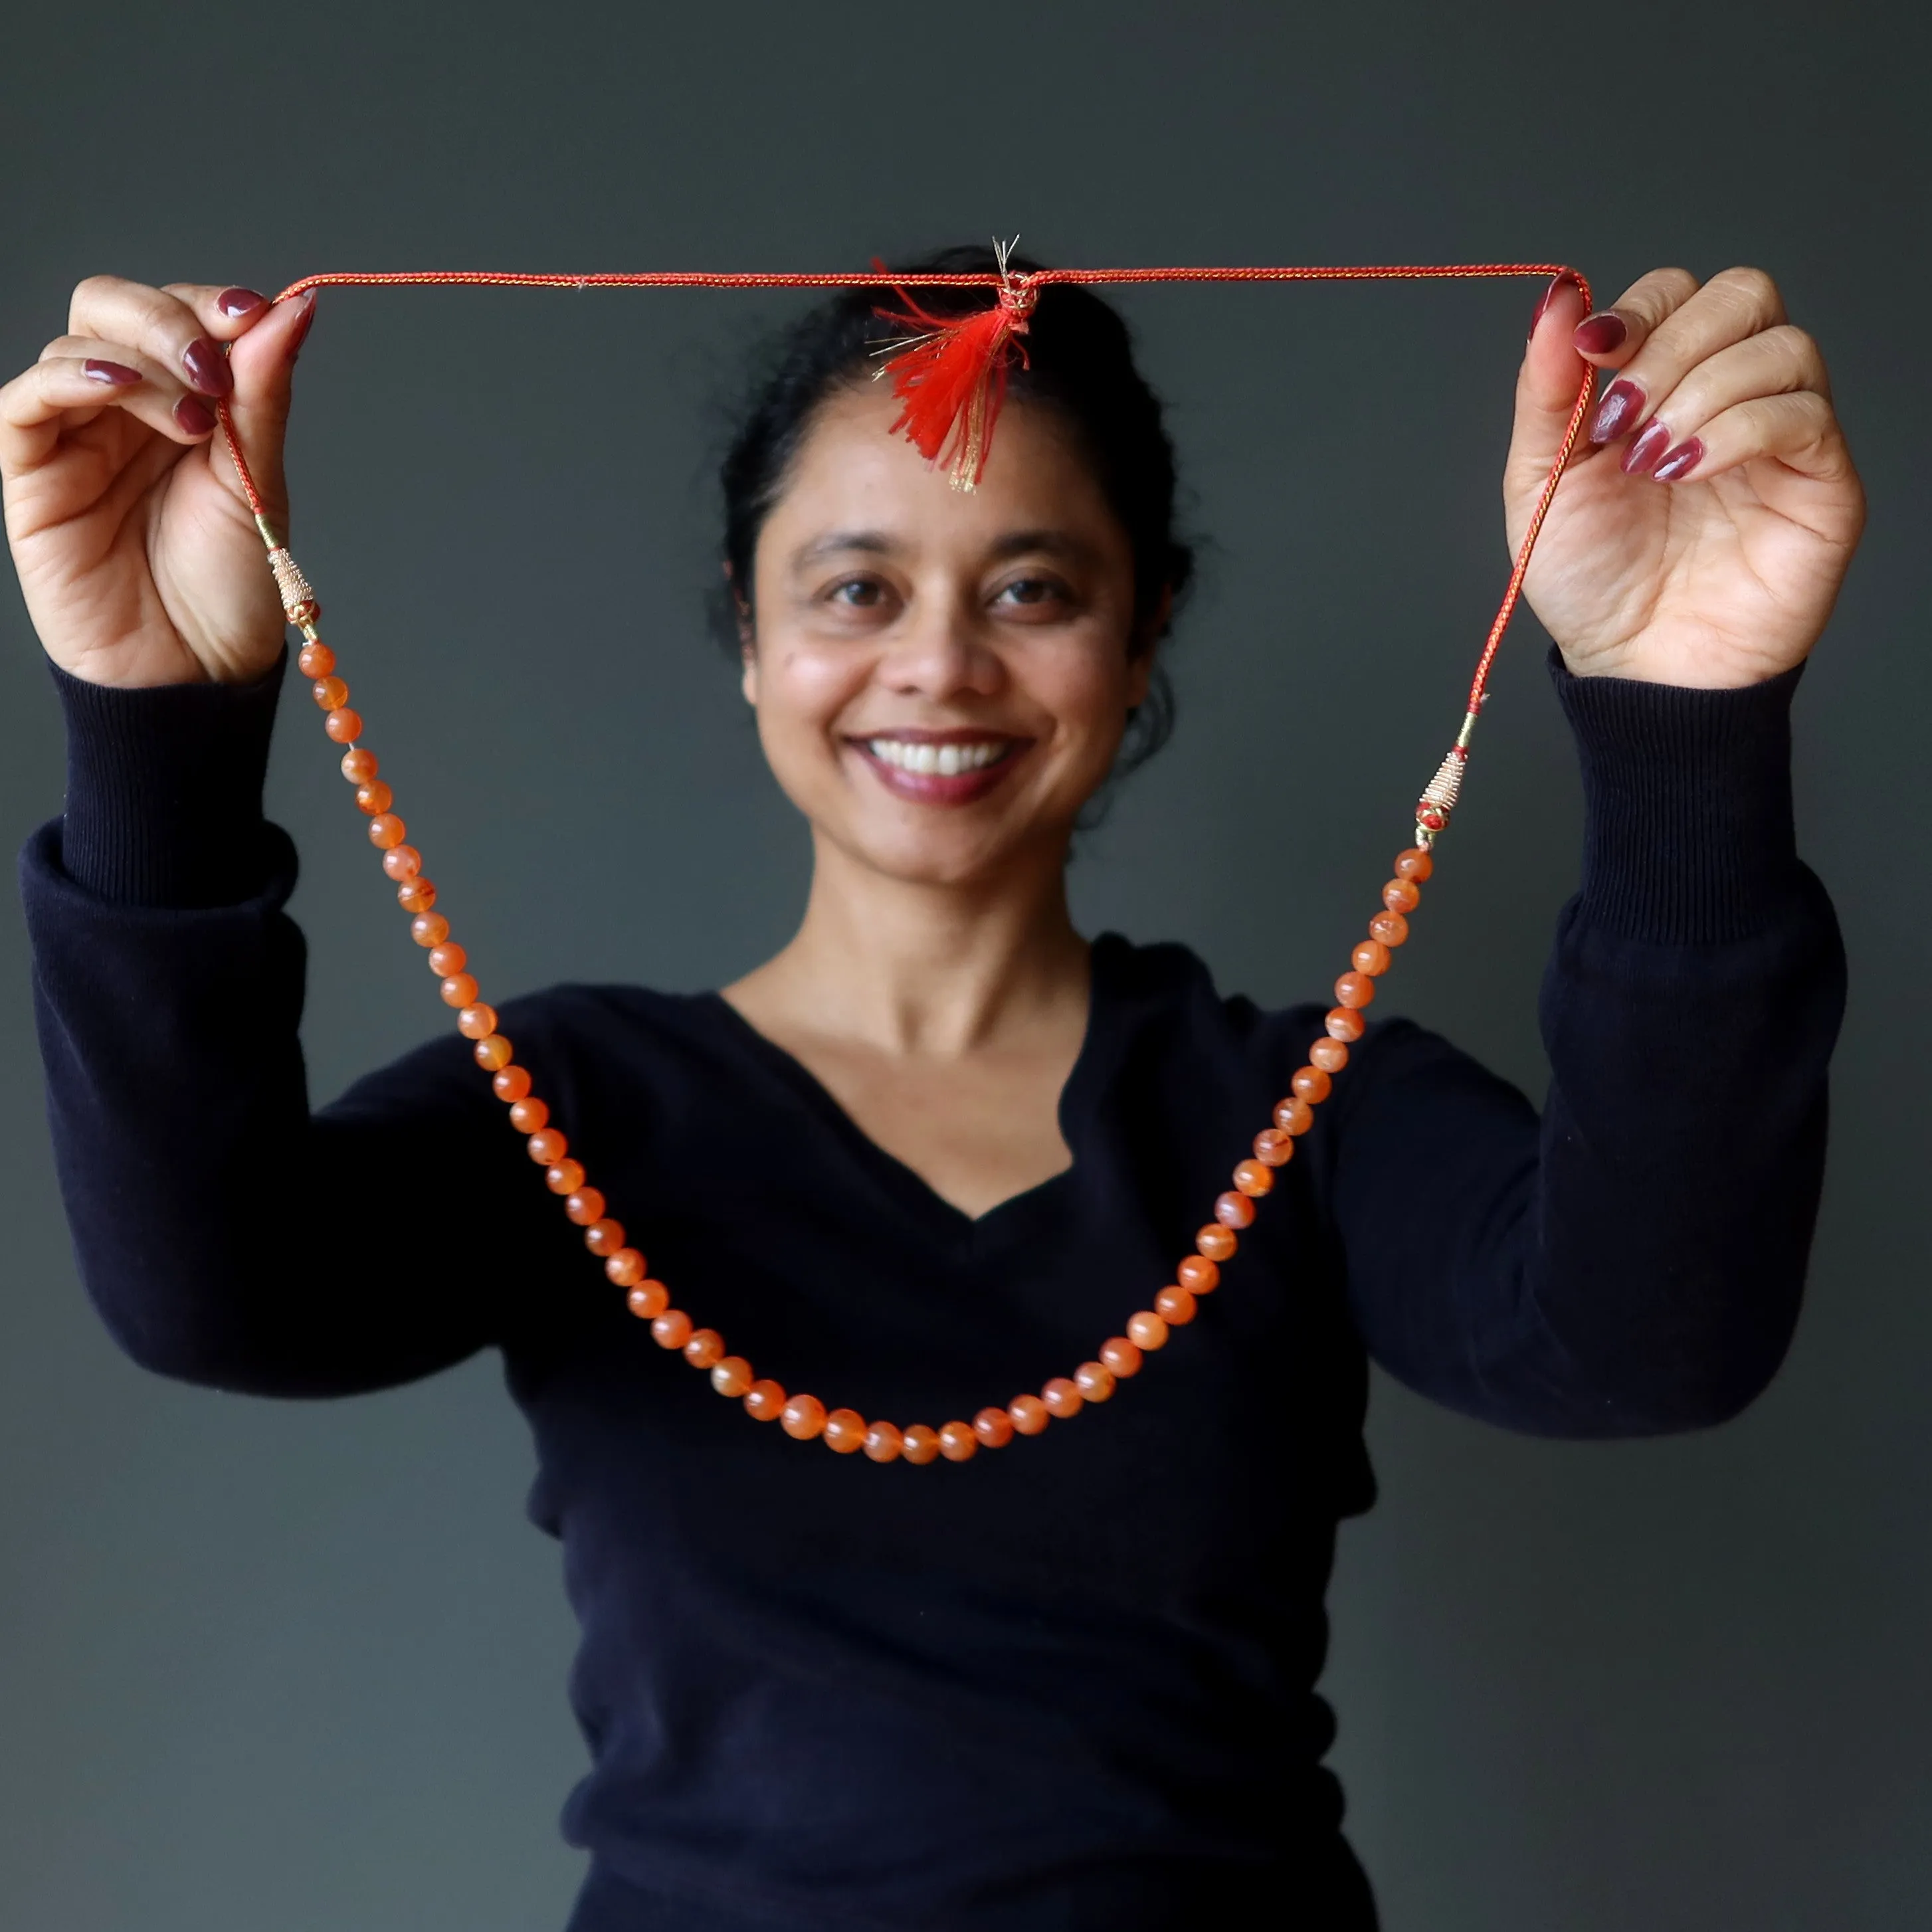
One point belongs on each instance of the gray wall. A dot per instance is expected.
(302, 1666)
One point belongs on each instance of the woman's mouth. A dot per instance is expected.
(940, 767)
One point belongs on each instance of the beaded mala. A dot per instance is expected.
(950, 380)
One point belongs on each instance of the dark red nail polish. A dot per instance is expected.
(194, 415)
(303, 327)
(1681, 461)
(1549, 296)
(116, 375)
(240, 301)
(207, 367)
(1622, 404)
(1646, 449)
(1598, 334)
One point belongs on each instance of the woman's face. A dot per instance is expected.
(942, 678)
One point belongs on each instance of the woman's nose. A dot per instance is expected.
(940, 650)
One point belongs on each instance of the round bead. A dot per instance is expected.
(547, 1147)
(331, 693)
(732, 1376)
(492, 1051)
(1029, 1415)
(1217, 1241)
(1344, 1023)
(844, 1431)
(1063, 1397)
(565, 1176)
(459, 989)
(1414, 863)
(1233, 1209)
(1313, 1085)
(358, 767)
(920, 1444)
(429, 928)
(315, 659)
(884, 1442)
(1094, 1380)
(1294, 1115)
(416, 894)
(1198, 1275)
(625, 1268)
(957, 1442)
(402, 862)
(1330, 1055)
(448, 959)
(1175, 1306)
(1391, 928)
(649, 1299)
(1147, 1331)
(585, 1204)
(374, 797)
(803, 1417)
(704, 1348)
(1254, 1177)
(1273, 1147)
(765, 1401)
(994, 1427)
(385, 831)
(344, 726)
(672, 1329)
(512, 1083)
(1121, 1356)
(1355, 989)
(1399, 895)
(1371, 957)
(526, 1116)
(604, 1237)
(473, 1022)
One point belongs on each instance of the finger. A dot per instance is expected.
(162, 326)
(224, 313)
(1773, 362)
(1800, 430)
(262, 362)
(1546, 395)
(55, 394)
(1729, 308)
(1609, 337)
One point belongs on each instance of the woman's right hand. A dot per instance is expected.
(137, 551)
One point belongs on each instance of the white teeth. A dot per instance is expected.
(945, 760)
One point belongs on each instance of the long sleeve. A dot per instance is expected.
(226, 1234)
(1633, 1263)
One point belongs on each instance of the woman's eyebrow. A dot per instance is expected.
(1047, 542)
(875, 541)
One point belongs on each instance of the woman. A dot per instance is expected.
(941, 1145)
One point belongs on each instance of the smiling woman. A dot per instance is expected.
(941, 1678)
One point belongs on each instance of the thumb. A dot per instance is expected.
(1546, 397)
(262, 363)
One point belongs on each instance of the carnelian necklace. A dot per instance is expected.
(950, 379)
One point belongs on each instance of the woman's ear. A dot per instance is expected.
(747, 647)
(1146, 644)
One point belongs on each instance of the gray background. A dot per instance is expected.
(302, 1666)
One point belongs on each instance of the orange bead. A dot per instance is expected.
(1147, 1331)
(358, 767)
(447, 958)
(625, 1268)
(416, 894)
(1217, 1241)
(585, 1204)
(732, 1376)
(429, 928)
(1063, 1397)
(547, 1147)
(473, 1022)
(994, 1427)
(492, 1051)
(1121, 1356)
(1273, 1147)
(884, 1442)
(385, 831)
(1233, 1209)
(374, 798)
(649, 1299)
(1399, 895)
(512, 1083)
(957, 1442)
(331, 693)
(844, 1431)
(672, 1329)
(315, 659)
(1343, 1023)
(1414, 863)
(704, 1348)
(344, 726)
(1355, 989)
(1198, 1275)
(920, 1444)
(1029, 1415)
(1254, 1177)
(459, 989)
(1294, 1115)
(1094, 1380)
(402, 862)
(803, 1417)
(765, 1401)
(604, 1237)
(1175, 1306)
(1371, 957)
(565, 1176)
(526, 1116)
(1330, 1055)
(1391, 928)
(1313, 1085)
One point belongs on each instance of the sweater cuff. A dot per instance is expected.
(1687, 833)
(164, 789)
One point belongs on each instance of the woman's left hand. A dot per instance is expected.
(1710, 508)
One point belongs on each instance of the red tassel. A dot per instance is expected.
(952, 379)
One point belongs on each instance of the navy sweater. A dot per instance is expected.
(1066, 1684)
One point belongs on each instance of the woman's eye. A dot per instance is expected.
(862, 593)
(1032, 590)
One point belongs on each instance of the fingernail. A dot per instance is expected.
(194, 415)
(1646, 449)
(240, 301)
(1598, 334)
(1549, 295)
(1681, 461)
(116, 375)
(302, 327)
(207, 367)
(1622, 404)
